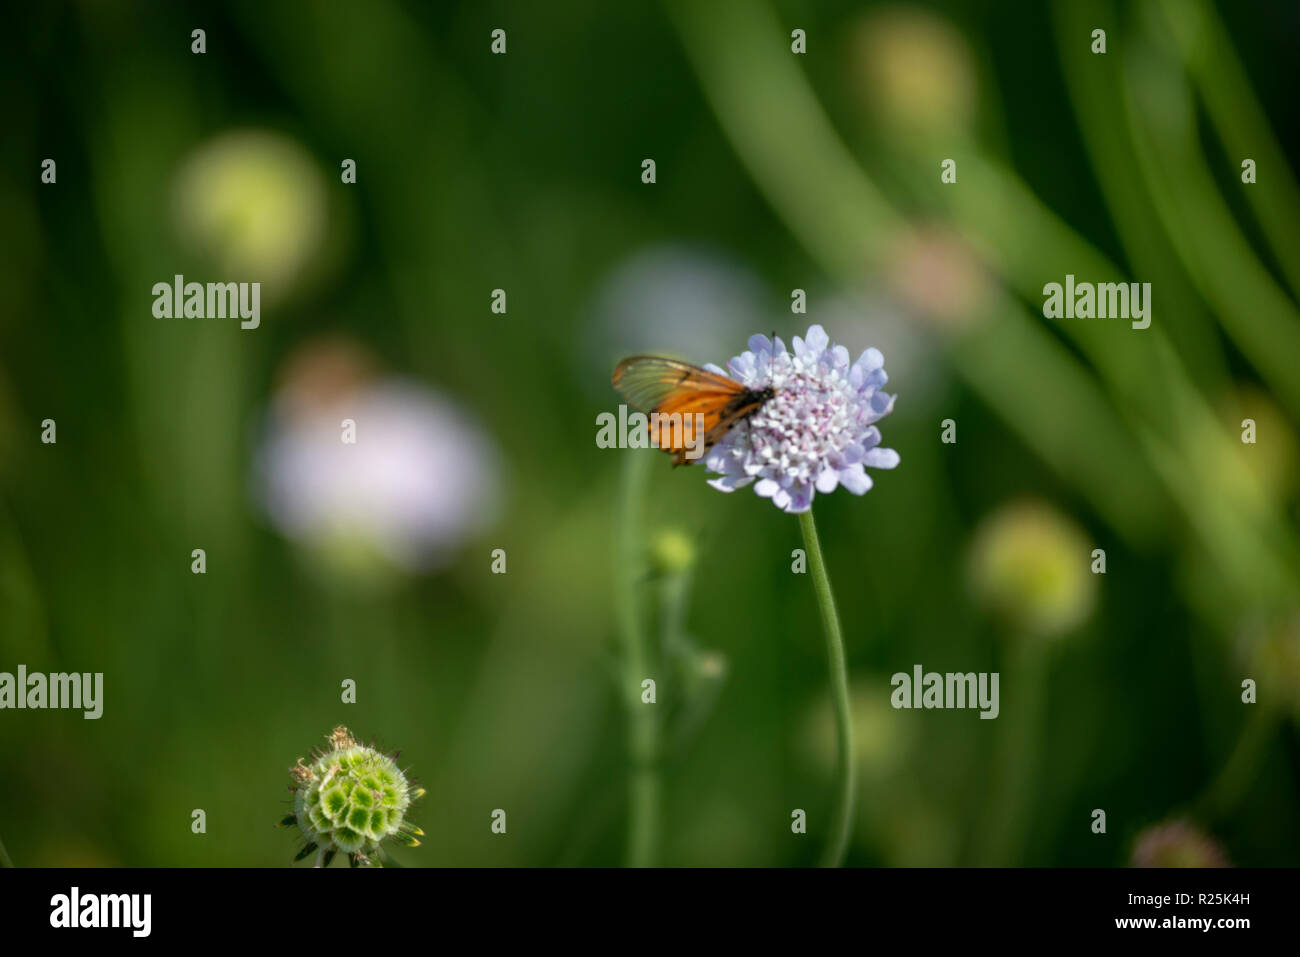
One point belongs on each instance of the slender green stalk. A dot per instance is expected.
(5, 860)
(843, 815)
(644, 789)
(1241, 767)
(1210, 57)
(1010, 814)
(702, 674)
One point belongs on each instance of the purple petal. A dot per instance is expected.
(729, 483)
(881, 459)
(801, 497)
(743, 367)
(816, 340)
(855, 479)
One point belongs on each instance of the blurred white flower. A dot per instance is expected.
(420, 478)
(677, 300)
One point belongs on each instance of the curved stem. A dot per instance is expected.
(843, 815)
(1240, 769)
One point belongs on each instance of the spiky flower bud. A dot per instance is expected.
(350, 798)
(1177, 843)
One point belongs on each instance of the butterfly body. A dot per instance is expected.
(690, 408)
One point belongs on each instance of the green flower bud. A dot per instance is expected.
(253, 201)
(672, 552)
(351, 798)
(915, 71)
(1030, 564)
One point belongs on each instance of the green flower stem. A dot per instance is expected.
(1210, 57)
(644, 790)
(1241, 767)
(5, 860)
(843, 816)
(1010, 814)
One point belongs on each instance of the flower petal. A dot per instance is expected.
(801, 497)
(881, 459)
(827, 481)
(781, 499)
(743, 367)
(855, 479)
(729, 483)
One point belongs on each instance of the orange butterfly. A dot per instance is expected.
(685, 403)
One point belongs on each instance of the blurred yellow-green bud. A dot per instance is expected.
(1178, 843)
(708, 665)
(1265, 438)
(254, 204)
(881, 735)
(914, 70)
(1032, 565)
(672, 551)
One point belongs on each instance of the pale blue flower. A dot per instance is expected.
(817, 433)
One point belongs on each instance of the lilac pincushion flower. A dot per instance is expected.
(818, 432)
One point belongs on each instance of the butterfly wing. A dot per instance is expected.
(648, 381)
(678, 392)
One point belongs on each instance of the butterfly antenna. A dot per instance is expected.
(772, 360)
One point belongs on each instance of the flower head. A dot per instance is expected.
(418, 478)
(350, 798)
(1177, 843)
(915, 71)
(255, 203)
(672, 552)
(816, 433)
(1029, 563)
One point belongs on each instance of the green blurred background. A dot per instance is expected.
(522, 172)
